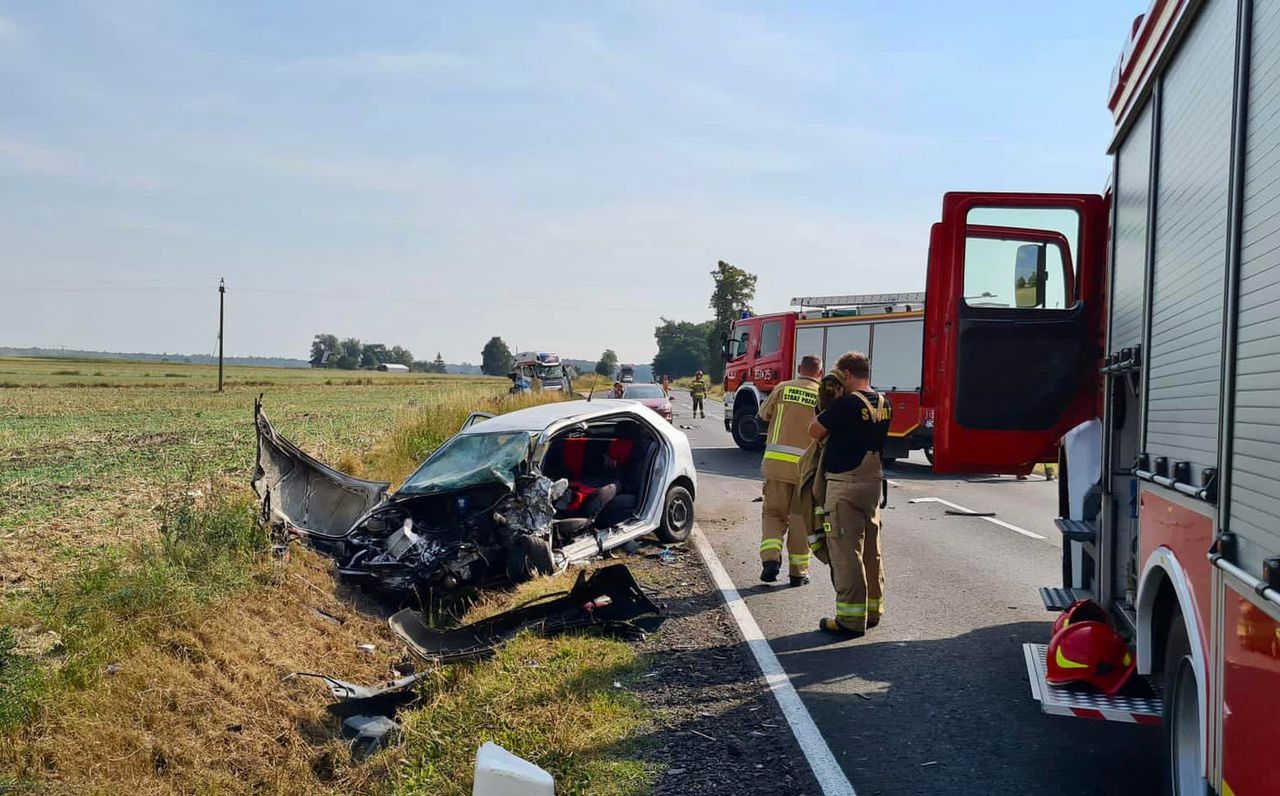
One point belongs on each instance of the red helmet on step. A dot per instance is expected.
(1089, 652)
(1080, 611)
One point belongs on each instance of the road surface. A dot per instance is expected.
(934, 700)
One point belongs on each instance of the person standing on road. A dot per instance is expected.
(788, 411)
(666, 384)
(698, 392)
(855, 427)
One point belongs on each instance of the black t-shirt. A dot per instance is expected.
(854, 429)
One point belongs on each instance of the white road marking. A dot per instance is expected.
(822, 762)
(991, 520)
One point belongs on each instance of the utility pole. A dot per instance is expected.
(222, 297)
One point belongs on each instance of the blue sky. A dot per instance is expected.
(560, 174)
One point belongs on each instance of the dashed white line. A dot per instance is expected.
(822, 762)
(991, 520)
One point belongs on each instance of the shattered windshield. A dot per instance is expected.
(550, 372)
(469, 460)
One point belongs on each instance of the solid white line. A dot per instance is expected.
(822, 762)
(991, 520)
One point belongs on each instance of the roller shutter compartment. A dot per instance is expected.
(1255, 461)
(1128, 280)
(1193, 170)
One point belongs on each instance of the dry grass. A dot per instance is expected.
(715, 389)
(203, 707)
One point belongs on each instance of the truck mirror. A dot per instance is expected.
(1029, 276)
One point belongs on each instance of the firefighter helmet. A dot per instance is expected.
(1089, 652)
(1080, 611)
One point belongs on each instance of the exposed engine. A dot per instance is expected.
(449, 540)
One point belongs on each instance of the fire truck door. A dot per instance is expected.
(1013, 332)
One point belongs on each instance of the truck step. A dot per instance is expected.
(1056, 599)
(1085, 703)
(1076, 530)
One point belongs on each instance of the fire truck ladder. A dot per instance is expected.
(858, 300)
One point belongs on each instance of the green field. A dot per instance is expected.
(82, 467)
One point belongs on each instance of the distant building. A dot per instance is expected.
(392, 367)
(321, 361)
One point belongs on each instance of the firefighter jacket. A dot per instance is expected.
(699, 388)
(788, 411)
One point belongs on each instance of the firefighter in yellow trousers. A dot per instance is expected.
(855, 427)
(788, 411)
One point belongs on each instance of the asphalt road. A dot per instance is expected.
(934, 700)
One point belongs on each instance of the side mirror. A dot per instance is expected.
(726, 347)
(1029, 276)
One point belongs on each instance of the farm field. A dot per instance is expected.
(83, 466)
(147, 637)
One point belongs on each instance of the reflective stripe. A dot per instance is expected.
(815, 543)
(770, 544)
(875, 605)
(800, 559)
(1067, 663)
(826, 527)
(779, 456)
(851, 609)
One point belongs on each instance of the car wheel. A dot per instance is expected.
(746, 431)
(677, 516)
(1181, 715)
(529, 556)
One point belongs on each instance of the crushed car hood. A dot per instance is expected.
(303, 494)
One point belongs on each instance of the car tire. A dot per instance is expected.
(746, 431)
(1181, 719)
(528, 557)
(677, 516)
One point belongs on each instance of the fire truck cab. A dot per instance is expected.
(1139, 333)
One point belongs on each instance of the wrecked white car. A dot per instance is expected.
(508, 496)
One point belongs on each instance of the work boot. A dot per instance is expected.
(872, 621)
(769, 571)
(828, 625)
(799, 580)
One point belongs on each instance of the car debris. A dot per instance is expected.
(508, 497)
(501, 773)
(368, 734)
(607, 601)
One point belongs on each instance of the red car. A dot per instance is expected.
(651, 395)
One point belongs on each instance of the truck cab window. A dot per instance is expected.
(1020, 258)
(771, 338)
(738, 346)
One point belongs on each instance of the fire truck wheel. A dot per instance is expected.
(677, 516)
(928, 454)
(1181, 715)
(746, 431)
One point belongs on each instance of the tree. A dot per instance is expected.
(373, 355)
(732, 295)
(681, 347)
(401, 356)
(495, 359)
(437, 365)
(608, 363)
(325, 344)
(348, 353)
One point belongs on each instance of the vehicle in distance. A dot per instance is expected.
(541, 368)
(652, 396)
(627, 374)
(508, 496)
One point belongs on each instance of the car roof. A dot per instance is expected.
(536, 418)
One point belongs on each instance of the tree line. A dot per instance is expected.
(327, 351)
(685, 347)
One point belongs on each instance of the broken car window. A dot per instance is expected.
(470, 460)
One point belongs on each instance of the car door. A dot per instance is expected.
(1013, 326)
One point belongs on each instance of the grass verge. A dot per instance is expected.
(714, 389)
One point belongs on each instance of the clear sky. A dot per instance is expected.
(561, 174)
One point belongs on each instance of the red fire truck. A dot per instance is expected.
(763, 350)
(1142, 329)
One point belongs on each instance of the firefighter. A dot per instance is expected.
(811, 490)
(788, 411)
(698, 391)
(855, 427)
